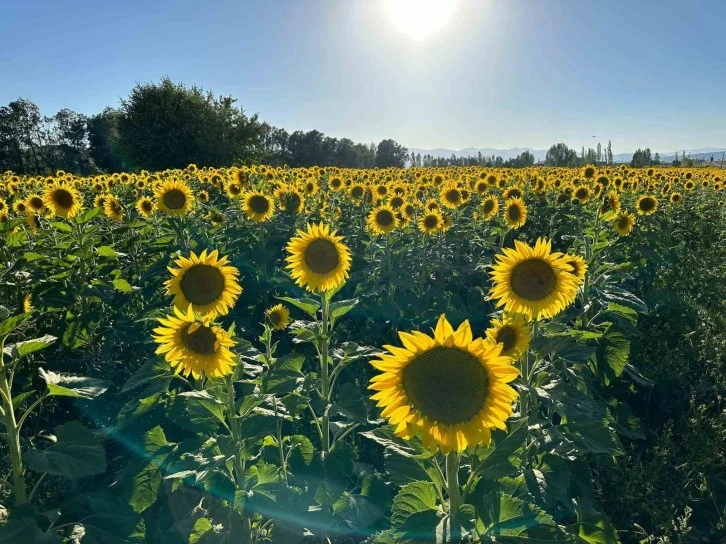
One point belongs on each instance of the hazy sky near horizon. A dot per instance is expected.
(499, 74)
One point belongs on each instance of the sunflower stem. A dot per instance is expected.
(12, 432)
(324, 371)
(452, 487)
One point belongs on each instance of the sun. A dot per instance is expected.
(419, 19)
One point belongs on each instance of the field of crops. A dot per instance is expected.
(465, 354)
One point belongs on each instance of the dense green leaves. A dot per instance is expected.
(74, 453)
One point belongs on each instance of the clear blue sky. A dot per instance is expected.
(497, 74)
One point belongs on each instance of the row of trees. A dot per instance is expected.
(523, 159)
(167, 125)
(561, 155)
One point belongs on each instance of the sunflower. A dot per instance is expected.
(515, 213)
(19, 207)
(489, 207)
(27, 304)
(174, 197)
(112, 208)
(35, 203)
(451, 197)
(624, 223)
(430, 222)
(382, 220)
(533, 281)
(145, 206)
(512, 192)
(194, 346)
(233, 189)
(579, 266)
(278, 317)
(318, 259)
(610, 206)
(588, 171)
(357, 191)
(582, 193)
(258, 206)
(676, 197)
(448, 389)
(204, 282)
(63, 200)
(512, 331)
(291, 200)
(647, 205)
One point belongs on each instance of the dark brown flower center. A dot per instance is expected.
(202, 341)
(533, 279)
(384, 218)
(448, 385)
(431, 221)
(514, 212)
(63, 199)
(321, 256)
(453, 196)
(259, 204)
(202, 284)
(175, 199)
(506, 336)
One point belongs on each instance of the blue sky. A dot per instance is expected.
(498, 74)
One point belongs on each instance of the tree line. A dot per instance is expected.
(168, 125)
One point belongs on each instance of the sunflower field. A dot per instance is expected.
(274, 355)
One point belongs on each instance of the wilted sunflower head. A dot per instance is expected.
(318, 259)
(206, 283)
(448, 389)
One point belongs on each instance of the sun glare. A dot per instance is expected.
(419, 19)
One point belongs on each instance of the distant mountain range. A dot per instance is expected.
(704, 153)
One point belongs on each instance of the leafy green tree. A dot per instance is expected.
(168, 125)
(20, 124)
(103, 140)
(390, 153)
(641, 158)
(561, 155)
